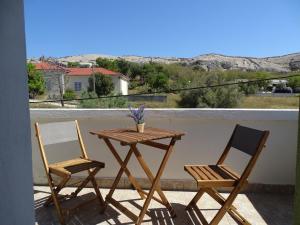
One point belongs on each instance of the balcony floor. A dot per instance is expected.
(275, 209)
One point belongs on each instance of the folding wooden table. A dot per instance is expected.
(131, 138)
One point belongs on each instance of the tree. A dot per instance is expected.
(107, 64)
(103, 84)
(294, 83)
(249, 89)
(73, 64)
(36, 83)
(219, 97)
(158, 81)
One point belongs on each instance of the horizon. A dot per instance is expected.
(162, 29)
(147, 56)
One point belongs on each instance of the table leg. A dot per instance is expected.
(151, 178)
(121, 171)
(156, 181)
(132, 180)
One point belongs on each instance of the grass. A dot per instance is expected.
(270, 102)
(42, 105)
(253, 102)
(170, 103)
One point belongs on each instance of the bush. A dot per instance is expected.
(69, 94)
(73, 64)
(159, 81)
(220, 97)
(294, 83)
(114, 102)
(36, 83)
(103, 84)
(249, 89)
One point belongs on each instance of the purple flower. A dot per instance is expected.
(137, 114)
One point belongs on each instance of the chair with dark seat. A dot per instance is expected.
(211, 177)
(61, 132)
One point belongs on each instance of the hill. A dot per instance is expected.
(284, 63)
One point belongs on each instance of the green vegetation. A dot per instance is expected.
(269, 102)
(36, 82)
(173, 76)
(158, 82)
(73, 64)
(219, 97)
(294, 83)
(149, 77)
(103, 84)
(69, 94)
(116, 102)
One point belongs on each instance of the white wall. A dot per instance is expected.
(121, 86)
(207, 132)
(124, 86)
(70, 80)
(16, 204)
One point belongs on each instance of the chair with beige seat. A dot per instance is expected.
(61, 132)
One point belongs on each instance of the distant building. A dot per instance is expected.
(59, 78)
(54, 77)
(277, 82)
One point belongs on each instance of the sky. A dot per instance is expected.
(179, 28)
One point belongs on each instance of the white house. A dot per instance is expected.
(59, 78)
(77, 79)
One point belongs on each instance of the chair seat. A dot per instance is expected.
(213, 175)
(72, 166)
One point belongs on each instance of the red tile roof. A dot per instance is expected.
(89, 71)
(46, 66)
(76, 71)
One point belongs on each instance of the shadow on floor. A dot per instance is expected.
(89, 214)
(274, 209)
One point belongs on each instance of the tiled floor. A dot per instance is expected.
(257, 208)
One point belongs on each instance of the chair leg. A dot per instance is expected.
(60, 186)
(56, 201)
(84, 183)
(195, 199)
(98, 193)
(232, 210)
(225, 207)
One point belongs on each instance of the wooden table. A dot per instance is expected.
(131, 138)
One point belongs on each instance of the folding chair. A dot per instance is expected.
(61, 132)
(210, 177)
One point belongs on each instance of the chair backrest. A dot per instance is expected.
(247, 140)
(58, 132)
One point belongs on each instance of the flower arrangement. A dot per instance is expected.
(138, 116)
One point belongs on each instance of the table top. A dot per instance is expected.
(131, 136)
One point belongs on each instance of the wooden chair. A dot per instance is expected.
(54, 133)
(210, 177)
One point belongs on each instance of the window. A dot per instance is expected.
(77, 86)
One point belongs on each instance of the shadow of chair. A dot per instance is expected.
(88, 214)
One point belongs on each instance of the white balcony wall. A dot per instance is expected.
(207, 132)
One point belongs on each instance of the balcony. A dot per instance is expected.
(266, 200)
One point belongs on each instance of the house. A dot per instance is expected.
(58, 78)
(77, 79)
(54, 76)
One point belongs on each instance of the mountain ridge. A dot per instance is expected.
(212, 61)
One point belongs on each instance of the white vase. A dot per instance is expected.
(140, 127)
